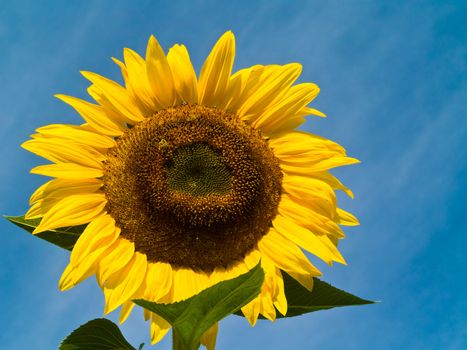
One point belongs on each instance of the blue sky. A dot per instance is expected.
(393, 81)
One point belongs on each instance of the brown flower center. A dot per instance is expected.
(193, 186)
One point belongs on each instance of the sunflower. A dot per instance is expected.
(184, 182)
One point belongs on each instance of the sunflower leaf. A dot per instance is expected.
(99, 333)
(192, 317)
(63, 237)
(323, 297)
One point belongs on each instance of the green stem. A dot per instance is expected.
(176, 341)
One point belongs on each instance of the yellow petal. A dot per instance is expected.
(346, 218)
(39, 192)
(147, 314)
(307, 217)
(326, 164)
(216, 70)
(78, 134)
(221, 274)
(307, 240)
(35, 211)
(116, 95)
(85, 262)
(187, 283)
(159, 281)
(267, 307)
(333, 182)
(269, 289)
(113, 112)
(285, 254)
(122, 69)
(280, 300)
(307, 111)
(117, 256)
(286, 108)
(286, 126)
(311, 193)
(82, 271)
(184, 75)
(252, 258)
(274, 82)
(100, 233)
(88, 265)
(305, 280)
(251, 310)
(159, 328)
(94, 115)
(138, 83)
(68, 171)
(127, 306)
(159, 74)
(242, 84)
(61, 188)
(73, 210)
(334, 240)
(66, 281)
(296, 144)
(61, 151)
(122, 286)
(208, 339)
(55, 190)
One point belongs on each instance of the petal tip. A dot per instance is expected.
(152, 41)
(38, 229)
(229, 34)
(61, 97)
(87, 74)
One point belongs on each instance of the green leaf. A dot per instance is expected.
(323, 296)
(192, 317)
(63, 237)
(98, 334)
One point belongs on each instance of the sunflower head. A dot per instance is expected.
(192, 186)
(186, 181)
